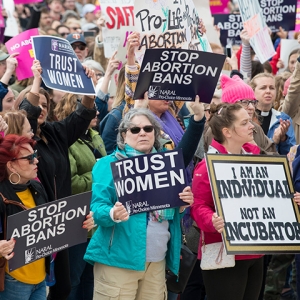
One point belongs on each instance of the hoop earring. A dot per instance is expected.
(15, 173)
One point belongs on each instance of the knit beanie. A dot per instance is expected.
(235, 89)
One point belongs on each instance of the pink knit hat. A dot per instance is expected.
(235, 89)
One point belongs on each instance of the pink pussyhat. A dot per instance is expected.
(235, 89)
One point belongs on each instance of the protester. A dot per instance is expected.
(78, 44)
(235, 90)
(18, 163)
(53, 141)
(147, 240)
(17, 123)
(233, 133)
(82, 155)
(263, 86)
(63, 30)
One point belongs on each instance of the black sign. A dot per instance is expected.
(47, 228)
(179, 75)
(150, 182)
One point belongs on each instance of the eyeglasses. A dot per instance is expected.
(136, 130)
(81, 47)
(246, 103)
(29, 157)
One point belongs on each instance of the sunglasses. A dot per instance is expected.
(64, 33)
(246, 103)
(136, 130)
(81, 47)
(29, 157)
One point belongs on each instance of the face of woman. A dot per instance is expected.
(265, 92)
(27, 131)
(94, 121)
(44, 113)
(142, 141)
(159, 106)
(292, 62)
(25, 165)
(242, 129)
(8, 101)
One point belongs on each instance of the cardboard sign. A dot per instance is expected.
(168, 24)
(219, 6)
(150, 182)
(48, 228)
(119, 17)
(23, 45)
(254, 195)
(230, 27)
(179, 75)
(11, 26)
(61, 68)
(261, 41)
(287, 46)
(203, 9)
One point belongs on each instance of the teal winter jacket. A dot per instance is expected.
(123, 244)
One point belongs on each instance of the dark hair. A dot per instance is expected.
(222, 116)
(10, 147)
(267, 67)
(257, 68)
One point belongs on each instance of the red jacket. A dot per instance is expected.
(203, 207)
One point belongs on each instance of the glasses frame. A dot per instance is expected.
(245, 101)
(137, 130)
(29, 157)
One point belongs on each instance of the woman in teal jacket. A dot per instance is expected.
(129, 254)
(83, 155)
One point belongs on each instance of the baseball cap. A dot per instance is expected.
(3, 55)
(75, 37)
(87, 8)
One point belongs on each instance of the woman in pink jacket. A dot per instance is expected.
(233, 133)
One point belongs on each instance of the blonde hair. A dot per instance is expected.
(15, 121)
(253, 82)
(66, 106)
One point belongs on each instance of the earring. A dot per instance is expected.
(15, 173)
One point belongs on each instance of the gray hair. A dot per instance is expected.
(126, 124)
(92, 64)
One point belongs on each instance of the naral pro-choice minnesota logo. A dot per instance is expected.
(30, 255)
(61, 46)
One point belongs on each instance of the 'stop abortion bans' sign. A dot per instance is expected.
(254, 195)
(47, 228)
(150, 182)
(61, 68)
(179, 75)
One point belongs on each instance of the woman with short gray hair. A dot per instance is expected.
(152, 238)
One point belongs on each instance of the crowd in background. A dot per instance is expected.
(73, 133)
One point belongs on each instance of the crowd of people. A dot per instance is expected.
(54, 144)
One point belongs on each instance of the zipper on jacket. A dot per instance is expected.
(111, 238)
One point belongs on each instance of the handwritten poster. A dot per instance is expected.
(168, 24)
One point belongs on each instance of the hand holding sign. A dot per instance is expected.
(133, 41)
(36, 69)
(186, 196)
(89, 222)
(142, 103)
(113, 64)
(198, 109)
(119, 212)
(218, 222)
(245, 37)
(297, 198)
(6, 248)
